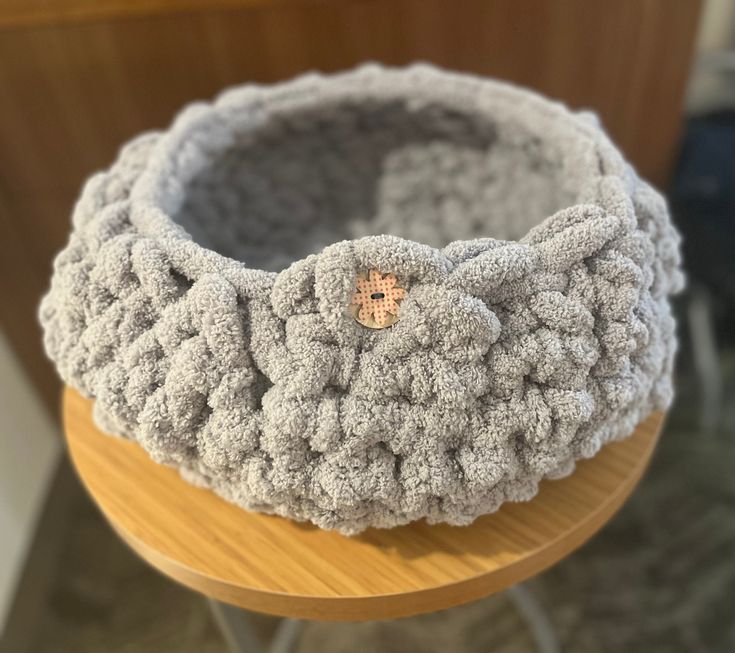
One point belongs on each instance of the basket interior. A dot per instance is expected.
(303, 179)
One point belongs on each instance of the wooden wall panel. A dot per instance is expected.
(78, 78)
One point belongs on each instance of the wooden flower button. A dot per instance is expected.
(376, 302)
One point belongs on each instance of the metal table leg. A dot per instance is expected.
(235, 628)
(286, 636)
(536, 618)
(706, 360)
(240, 638)
(238, 633)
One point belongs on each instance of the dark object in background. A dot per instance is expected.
(703, 203)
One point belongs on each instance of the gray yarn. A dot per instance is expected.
(515, 354)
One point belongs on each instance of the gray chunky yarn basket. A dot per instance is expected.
(203, 298)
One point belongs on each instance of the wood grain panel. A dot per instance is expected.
(274, 565)
(78, 78)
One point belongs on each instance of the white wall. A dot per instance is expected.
(29, 451)
(712, 85)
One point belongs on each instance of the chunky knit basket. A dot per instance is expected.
(206, 297)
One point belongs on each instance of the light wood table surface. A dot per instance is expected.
(274, 565)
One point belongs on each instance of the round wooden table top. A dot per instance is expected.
(274, 565)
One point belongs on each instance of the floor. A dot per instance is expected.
(659, 578)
